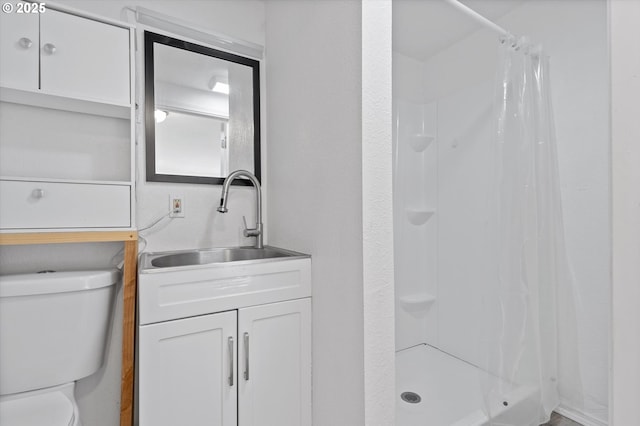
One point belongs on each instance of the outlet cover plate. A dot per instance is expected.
(176, 205)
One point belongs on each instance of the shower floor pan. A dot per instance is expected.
(450, 392)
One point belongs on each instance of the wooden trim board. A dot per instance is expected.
(66, 237)
(127, 376)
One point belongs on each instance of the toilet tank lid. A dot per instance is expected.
(55, 282)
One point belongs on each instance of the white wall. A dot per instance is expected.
(415, 215)
(408, 79)
(315, 183)
(625, 91)
(377, 215)
(574, 34)
(99, 395)
(240, 19)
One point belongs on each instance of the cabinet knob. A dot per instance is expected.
(25, 43)
(49, 48)
(37, 193)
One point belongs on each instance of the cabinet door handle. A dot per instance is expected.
(230, 361)
(50, 48)
(246, 356)
(25, 42)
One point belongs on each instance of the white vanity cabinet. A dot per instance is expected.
(67, 55)
(224, 337)
(67, 122)
(274, 364)
(188, 371)
(197, 371)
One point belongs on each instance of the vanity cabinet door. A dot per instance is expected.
(274, 364)
(83, 58)
(19, 50)
(187, 372)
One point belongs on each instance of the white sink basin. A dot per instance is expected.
(214, 255)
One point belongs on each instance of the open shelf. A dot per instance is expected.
(419, 216)
(22, 238)
(420, 141)
(415, 303)
(55, 101)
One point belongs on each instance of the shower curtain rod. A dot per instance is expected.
(475, 15)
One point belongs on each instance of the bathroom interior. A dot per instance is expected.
(366, 290)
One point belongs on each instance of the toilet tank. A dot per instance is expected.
(53, 327)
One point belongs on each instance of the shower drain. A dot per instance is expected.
(410, 397)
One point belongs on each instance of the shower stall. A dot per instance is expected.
(501, 190)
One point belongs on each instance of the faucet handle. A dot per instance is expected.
(251, 232)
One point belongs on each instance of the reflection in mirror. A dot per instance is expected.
(201, 112)
(202, 148)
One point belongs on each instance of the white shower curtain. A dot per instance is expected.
(521, 307)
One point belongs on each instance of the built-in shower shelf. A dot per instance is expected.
(419, 216)
(420, 141)
(417, 302)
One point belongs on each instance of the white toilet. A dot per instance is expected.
(53, 331)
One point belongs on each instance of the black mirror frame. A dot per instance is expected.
(149, 107)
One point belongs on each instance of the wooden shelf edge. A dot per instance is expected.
(67, 237)
(127, 375)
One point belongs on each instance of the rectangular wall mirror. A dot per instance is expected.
(202, 112)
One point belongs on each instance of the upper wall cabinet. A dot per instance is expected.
(66, 55)
(19, 46)
(66, 123)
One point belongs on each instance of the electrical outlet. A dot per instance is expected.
(176, 206)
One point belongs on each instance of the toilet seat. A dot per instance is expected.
(50, 407)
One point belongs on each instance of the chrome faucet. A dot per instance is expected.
(248, 232)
